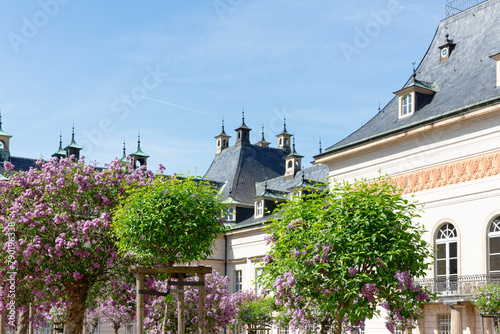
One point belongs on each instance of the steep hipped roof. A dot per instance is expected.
(241, 167)
(466, 81)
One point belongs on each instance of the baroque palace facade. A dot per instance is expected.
(438, 139)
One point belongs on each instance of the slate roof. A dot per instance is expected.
(312, 176)
(465, 82)
(20, 164)
(241, 167)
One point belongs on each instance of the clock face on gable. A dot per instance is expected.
(444, 52)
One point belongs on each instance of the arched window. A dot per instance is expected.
(286, 142)
(289, 164)
(494, 246)
(218, 142)
(446, 256)
(281, 141)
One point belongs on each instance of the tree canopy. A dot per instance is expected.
(175, 220)
(338, 254)
(56, 221)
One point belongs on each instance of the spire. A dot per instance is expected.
(284, 138)
(139, 156)
(222, 141)
(263, 142)
(243, 132)
(292, 163)
(320, 149)
(73, 148)
(124, 156)
(60, 152)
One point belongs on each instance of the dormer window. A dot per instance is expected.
(497, 58)
(415, 95)
(259, 209)
(406, 108)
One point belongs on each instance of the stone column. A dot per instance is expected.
(470, 319)
(456, 319)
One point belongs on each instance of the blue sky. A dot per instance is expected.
(173, 69)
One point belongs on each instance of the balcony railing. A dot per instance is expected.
(458, 285)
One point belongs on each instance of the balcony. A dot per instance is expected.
(458, 285)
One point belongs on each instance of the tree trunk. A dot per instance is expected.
(116, 328)
(75, 313)
(337, 326)
(23, 323)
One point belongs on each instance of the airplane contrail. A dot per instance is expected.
(174, 105)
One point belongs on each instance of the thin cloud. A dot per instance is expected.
(174, 105)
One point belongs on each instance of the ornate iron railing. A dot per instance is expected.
(453, 7)
(457, 285)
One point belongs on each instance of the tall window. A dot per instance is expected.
(406, 106)
(238, 280)
(446, 257)
(258, 286)
(444, 323)
(260, 209)
(494, 246)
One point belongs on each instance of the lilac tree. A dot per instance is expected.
(337, 255)
(57, 235)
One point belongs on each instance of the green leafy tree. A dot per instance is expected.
(337, 255)
(175, 220)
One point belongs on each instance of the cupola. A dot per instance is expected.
(139, 158)
(222, 141)
(293, 163)
(243, 133)
(73, 148)
(4, 144)
(284, 139)
(415, 95)
(60, 152)
(263, 142)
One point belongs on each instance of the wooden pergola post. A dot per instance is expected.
(2, 322)
(181, 272)
(201, 306)
(181, 308)
(139, 304)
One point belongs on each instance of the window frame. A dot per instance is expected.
(407, 105)
(238, 283)
(491, 235)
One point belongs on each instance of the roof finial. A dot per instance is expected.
(320, 149)
(222, 123)
(284, 122)
(378, 105)
(0, 119)
(60, 139)
(294, 143)
(124, 146)
(243, 114)
(139, 137)
(73, 131)
(414, 70)
(265, 186)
